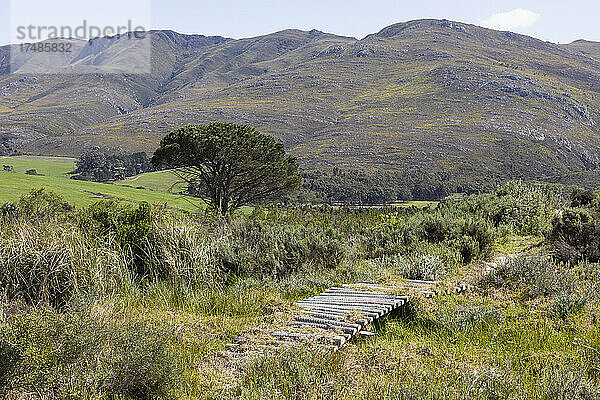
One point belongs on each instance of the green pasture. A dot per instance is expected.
(13, 185)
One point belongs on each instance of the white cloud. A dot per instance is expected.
(508, 21)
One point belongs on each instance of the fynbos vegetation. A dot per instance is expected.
(136, 301)
(410, 215)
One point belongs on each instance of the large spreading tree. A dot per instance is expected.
(228, 165)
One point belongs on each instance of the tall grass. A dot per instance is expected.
(49, 263)
(135, 301)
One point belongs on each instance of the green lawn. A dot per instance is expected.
(161, 181)
(80, 193)
(49, 166)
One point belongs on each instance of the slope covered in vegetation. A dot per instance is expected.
(466, 104)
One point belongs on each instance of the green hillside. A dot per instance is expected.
(161, 181)
(13, 185)
(426, 96)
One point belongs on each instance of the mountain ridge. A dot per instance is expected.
(423, 95)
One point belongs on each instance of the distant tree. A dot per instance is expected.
(228, 165)
(101, 167)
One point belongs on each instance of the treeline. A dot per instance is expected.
(332, 186)
(364, 187)
(98, 166)
(7, 150)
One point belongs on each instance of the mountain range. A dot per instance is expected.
(431, 96)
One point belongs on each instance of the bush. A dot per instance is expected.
(582, 198)
(8, 211)
(37, 264)
(185, 252)
(32, 349)
(138, 364)
(278, 250)
(387, 240)
(131, 227)
(49, 263)
(537, 274)
(575, 235)
(480, 232)
(566, 304)
(424, 267)
(525, 207)
(467, 249)
(469, 317)
(435, 229)
(559, 382)
(74, 356)
(39, 204)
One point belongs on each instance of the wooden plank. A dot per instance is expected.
(326, 315)
(345, 326)
(349, 302)
(344, 311)
(366, 293)
(351, 307)
(355, 300)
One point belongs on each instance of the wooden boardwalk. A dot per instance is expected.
(339, 314)
(333, 318)
(347, 311)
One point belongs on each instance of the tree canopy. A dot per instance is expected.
(101, 167)
(232, 165)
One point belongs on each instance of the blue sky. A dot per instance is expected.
(556, 21)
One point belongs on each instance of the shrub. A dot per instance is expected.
(481, 233)
(259, 248)
(185, 252)
(8, 211)
(48, 263)
(76, 356)
(566, 304)
(576, 235)
(468, 249)
(537, 274)
(423, 267)
(526, 208)
(560, 382)
(435, 228)
(138, 364)
(466, 318)
(131, 227)
(582, 198)
(37, 264)
(32, 347)
(39, 204)
(387, 240)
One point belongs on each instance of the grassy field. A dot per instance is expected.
(160, 181)
(78, 193)
(154, 187)
(49, 166)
